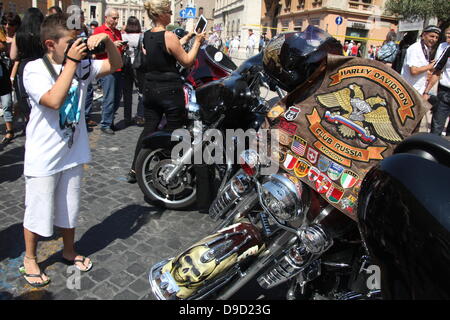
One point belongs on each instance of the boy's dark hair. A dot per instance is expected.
(53, 27)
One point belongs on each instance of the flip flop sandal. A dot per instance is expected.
(34, 284)
(6, 140)
(73, 262)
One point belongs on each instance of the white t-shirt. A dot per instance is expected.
(46, 148)
(445, 78)
(415, 58)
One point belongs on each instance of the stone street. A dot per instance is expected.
(122, 233)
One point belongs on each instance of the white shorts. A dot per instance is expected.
(52, 200)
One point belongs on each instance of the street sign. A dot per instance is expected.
(339, 20)
(188, 13)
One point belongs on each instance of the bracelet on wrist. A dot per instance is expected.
(72, 59)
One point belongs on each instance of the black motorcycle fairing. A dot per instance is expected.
(230, 92)
(406, 226)
(428, 146)
(161, 139)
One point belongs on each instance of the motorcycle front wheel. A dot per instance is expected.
(151, 169)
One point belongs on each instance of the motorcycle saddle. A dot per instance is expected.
(428, 146)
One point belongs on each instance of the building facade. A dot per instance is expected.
(20, 6)
(234, 18)
(127, 8)
(358, 20)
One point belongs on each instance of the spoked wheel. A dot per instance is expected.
(152, 167)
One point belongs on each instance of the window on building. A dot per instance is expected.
(314, 22)
(301, 4)
(317, 3)
(288, 5)
(298, 23)
(92, 12)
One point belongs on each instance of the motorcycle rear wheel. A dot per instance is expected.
(150, 167)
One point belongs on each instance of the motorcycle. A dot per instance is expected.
(216, 98)
(298, 227)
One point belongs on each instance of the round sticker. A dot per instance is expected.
(218, 56)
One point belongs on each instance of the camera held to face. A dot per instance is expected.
(100, 48)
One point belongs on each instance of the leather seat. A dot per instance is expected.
(428, 146)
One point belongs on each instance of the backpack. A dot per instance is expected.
(388, 52)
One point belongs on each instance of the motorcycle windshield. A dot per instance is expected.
(210, 65)
(360, 112)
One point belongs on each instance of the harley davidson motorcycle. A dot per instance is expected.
(218, 96)
(299, 228)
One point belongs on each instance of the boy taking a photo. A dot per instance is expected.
(57, 143)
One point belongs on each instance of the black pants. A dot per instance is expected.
(161, 98)
(441, 111)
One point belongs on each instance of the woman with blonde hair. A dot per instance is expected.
(163, 84)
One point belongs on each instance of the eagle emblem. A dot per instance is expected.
(356, 116)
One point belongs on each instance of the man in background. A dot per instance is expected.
(111, 84)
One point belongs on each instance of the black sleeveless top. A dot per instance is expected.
(160, 65)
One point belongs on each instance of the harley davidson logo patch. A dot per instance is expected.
(292, 113)
(349, 179)
(302, 168)
(400, 93)
(299, 145)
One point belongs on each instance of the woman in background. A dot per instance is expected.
(26, 46)
(11, 23)
(133, 34)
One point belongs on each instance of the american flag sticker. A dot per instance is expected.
(299, 145)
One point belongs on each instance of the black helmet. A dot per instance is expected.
(290, 58)
(180, 32)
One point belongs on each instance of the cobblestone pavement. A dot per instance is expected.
(119, 230)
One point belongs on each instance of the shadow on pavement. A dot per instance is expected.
(12, 243)
(122, 224)
(31, 295)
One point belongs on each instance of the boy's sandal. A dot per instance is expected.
(7, 140)
(34, 284)
(74, 262)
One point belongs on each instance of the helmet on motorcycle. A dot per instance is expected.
(180, 32)
(291, 58)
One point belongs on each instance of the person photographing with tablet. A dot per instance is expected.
(163, 84)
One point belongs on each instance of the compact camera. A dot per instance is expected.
(100, 48)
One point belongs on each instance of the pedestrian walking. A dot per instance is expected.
(252, 41)
(57, 144)
(163, 93)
